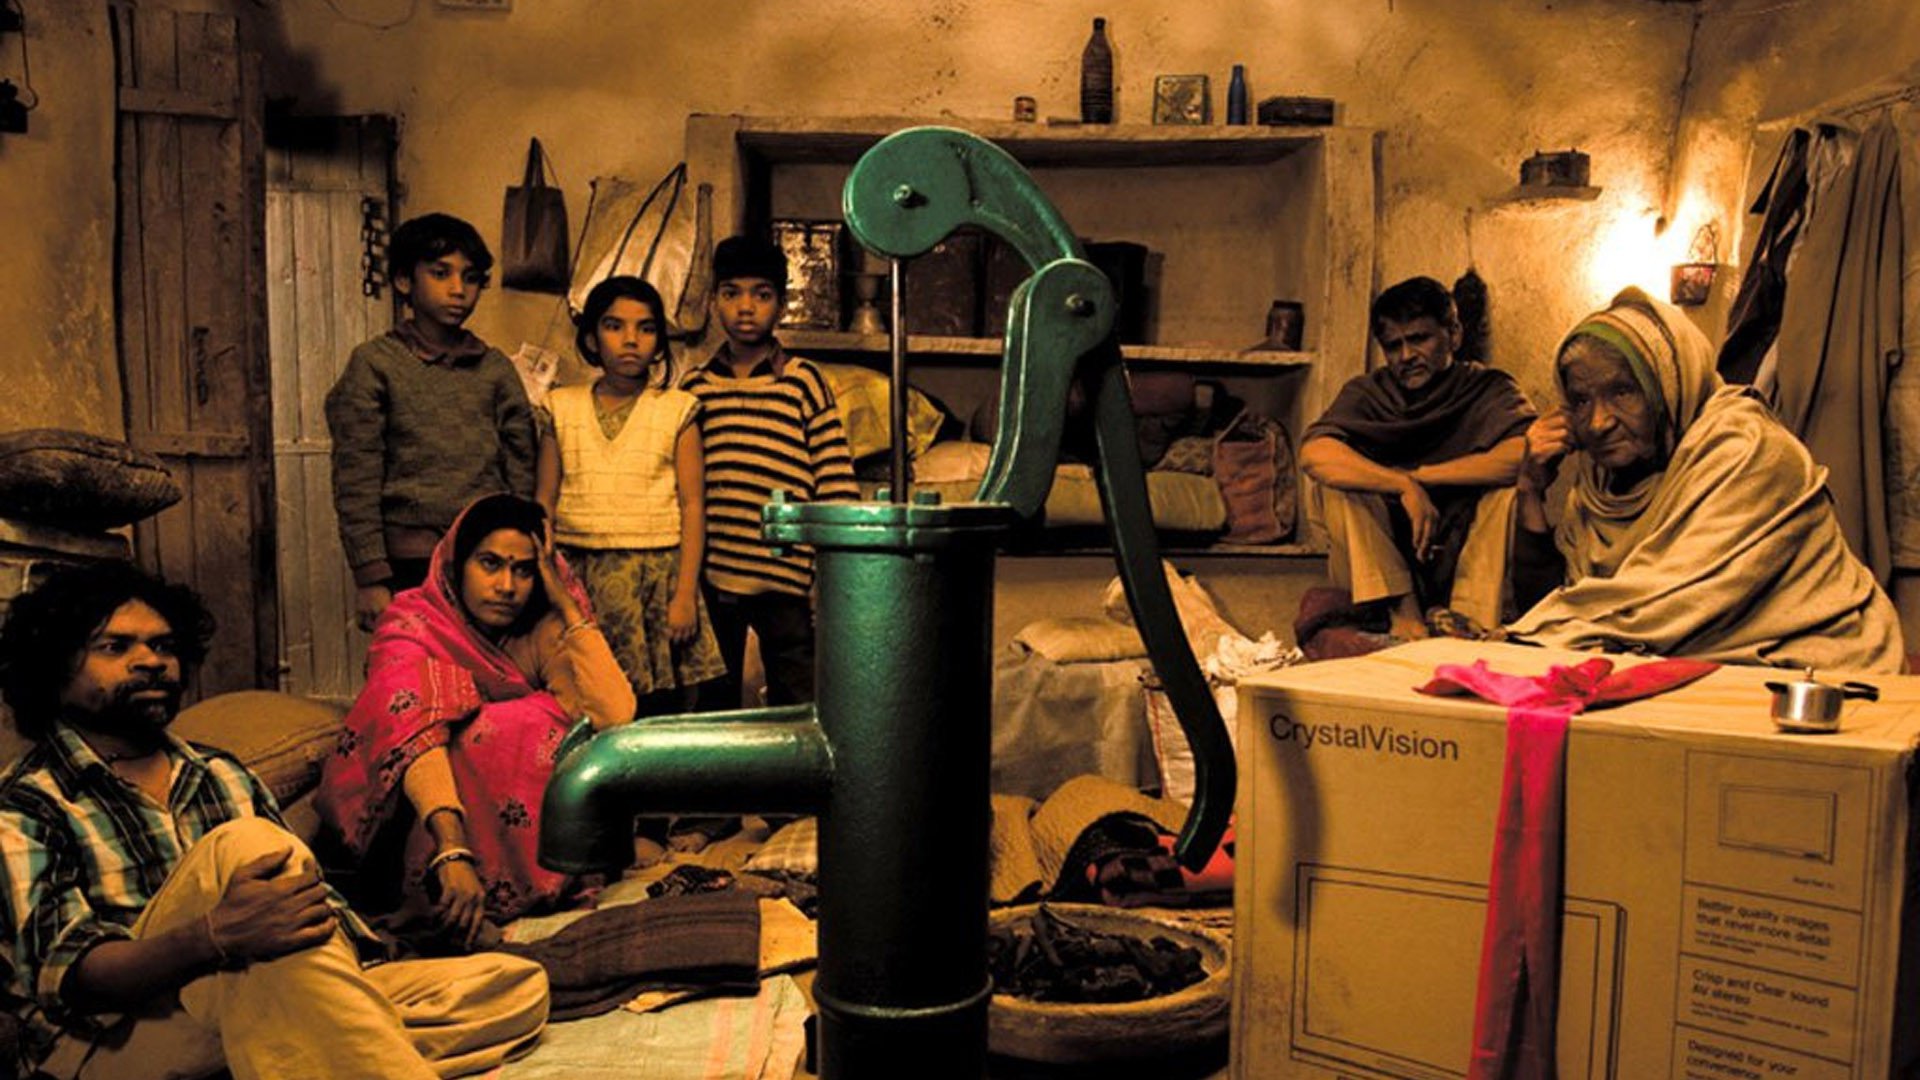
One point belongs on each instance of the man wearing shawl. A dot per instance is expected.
(1696, 525)
(1414, 463)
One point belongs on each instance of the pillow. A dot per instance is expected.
(1081, 640)
(864, 399)
(951, 463)
(792, 850)
(282, 738)
(1179, 501)
(80, 481)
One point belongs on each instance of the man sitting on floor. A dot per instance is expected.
(160, 921)
(1415, 464)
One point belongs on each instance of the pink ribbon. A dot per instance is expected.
(1517, 1005)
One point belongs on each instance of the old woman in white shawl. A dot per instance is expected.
(1696, 524)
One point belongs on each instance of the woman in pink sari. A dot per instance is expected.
(472, 680)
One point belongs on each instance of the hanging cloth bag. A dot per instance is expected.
(657, 234)
(1253, 464)
(533, 238)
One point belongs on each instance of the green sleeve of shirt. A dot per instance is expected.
(45, 914)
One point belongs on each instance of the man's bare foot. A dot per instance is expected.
(1404, 620)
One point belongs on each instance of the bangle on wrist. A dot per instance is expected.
(452, 854)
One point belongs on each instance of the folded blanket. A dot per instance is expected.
(598, 962)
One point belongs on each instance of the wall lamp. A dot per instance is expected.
(1693, 279)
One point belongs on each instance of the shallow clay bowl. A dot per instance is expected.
(1068, 1033)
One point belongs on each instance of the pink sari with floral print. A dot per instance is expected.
(434, 680)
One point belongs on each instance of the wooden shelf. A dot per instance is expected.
(821, 140)
(1209, 551)
(1238, 214)
(923, 347)
(1524, 194)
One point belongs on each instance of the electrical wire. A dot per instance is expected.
(371, 24)
(26, 68)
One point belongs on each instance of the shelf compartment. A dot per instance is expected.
(930, 347)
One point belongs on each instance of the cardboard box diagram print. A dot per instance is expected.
(1355, 988)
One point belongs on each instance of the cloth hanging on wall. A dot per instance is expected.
(1792, 196)
(1903, 393)
(1755, 317)
(1839, 339)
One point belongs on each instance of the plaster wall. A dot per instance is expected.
(57, 342)
(1461, 92)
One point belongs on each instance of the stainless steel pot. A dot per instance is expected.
(1809, 706)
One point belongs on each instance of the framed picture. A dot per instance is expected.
(1181, 99)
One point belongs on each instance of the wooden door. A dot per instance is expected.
(191, 309)
(329, 201)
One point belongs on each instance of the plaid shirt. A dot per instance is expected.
(82, 853)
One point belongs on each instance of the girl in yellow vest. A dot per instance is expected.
(622, 479)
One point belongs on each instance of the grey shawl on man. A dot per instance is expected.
(1731, 552)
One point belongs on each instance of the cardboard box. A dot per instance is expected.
(1734, 896)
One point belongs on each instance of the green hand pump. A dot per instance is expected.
(894, 754)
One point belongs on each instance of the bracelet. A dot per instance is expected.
(583, 624)
(219, 953)
(452, 854)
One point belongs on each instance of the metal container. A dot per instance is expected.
(1807, 706)
(812, 249)
(1558, 168)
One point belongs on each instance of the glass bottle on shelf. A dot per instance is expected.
(1096, 77)
(1237, 95)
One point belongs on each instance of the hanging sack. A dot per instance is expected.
(533, 238)
(657, 234)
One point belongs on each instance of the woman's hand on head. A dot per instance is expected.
(556, 589)
(1549, 439)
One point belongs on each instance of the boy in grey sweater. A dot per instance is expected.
(426, 417)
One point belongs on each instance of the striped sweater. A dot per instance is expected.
(775, 429)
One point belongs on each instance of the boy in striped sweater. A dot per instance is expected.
(768, 423)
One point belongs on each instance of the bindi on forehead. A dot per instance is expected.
(504, 547)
